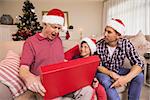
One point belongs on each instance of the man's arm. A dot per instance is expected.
(135, 70)
(137, 65)
(110, 73)
(135, 61)
(32, 82)
(104, 70)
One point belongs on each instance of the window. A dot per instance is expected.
(134, 13)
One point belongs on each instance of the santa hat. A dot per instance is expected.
(91, 44)
(117, 25)
(54, 16)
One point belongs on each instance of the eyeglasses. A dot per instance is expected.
(55, 27)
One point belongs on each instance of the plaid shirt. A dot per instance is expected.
(124, 49)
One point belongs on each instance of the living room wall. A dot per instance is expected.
(86, 14)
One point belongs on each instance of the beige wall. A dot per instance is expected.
(84, 14)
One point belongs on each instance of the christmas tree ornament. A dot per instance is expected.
(32, 10)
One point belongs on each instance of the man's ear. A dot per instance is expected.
(118, 36)
(44, 25)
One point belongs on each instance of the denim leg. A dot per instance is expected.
(106, 81)
(135, 87)
(123, 71)
(136, 84)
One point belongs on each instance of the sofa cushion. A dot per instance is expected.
(140, 43)
(9, 73)
(5, 46)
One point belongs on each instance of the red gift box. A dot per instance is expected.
(72, 52)
(63, 78)
(66, 77)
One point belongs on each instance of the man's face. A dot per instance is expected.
(85, 50)
(51, 31)
(110, 35)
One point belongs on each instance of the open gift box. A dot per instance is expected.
(66, 77)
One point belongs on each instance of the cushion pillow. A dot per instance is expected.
(140, 43)
(9, 74)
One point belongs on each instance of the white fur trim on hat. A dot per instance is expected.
(90, 43)
(117, 26)
(53, 19)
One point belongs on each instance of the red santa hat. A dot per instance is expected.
(54, 16)
(117, 25)
(91, 44)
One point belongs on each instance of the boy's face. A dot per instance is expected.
(85, 50)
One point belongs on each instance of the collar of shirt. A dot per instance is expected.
(40, 38)
(119, 43)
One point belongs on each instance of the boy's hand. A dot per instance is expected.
(95, 83)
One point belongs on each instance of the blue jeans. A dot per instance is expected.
(134, 87)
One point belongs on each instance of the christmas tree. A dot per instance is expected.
(28, 24)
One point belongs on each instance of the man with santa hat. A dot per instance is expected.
(40, 50)
(112, 50)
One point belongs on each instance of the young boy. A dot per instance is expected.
(88, 48)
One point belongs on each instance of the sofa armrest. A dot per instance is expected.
(5, 93)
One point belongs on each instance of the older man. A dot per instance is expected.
(40, 50)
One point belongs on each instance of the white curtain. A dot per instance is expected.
(134, 13)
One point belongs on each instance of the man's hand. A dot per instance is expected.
(65, 60)
(32, 81)
(34, 84)
(114, 75)
(121, 81)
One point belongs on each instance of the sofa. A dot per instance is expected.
(9, 63)
(14, 48)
